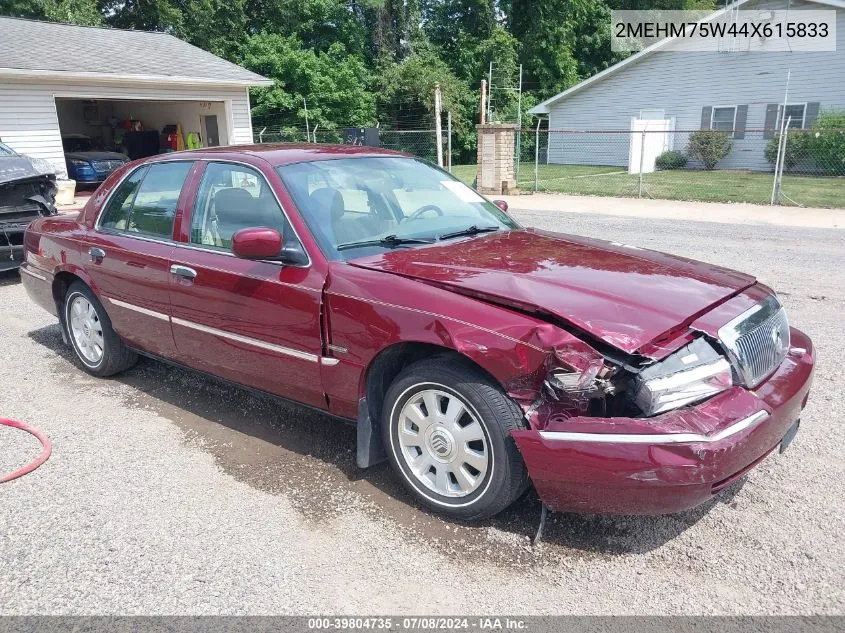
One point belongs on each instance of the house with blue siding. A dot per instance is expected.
(740, 92)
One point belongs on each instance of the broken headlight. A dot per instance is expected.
(691, 374)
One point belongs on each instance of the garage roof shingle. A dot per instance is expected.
(33, 46)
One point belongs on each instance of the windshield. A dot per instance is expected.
(77, 144)
(5, 150)
(362, 206)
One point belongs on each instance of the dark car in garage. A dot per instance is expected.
(87, 165)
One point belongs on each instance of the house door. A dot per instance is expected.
(212, 134)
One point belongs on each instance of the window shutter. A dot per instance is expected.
(811, 114)
(741, 118)
(770, 126)
(706, 114)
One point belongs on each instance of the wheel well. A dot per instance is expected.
(61, 282)
(379, 376)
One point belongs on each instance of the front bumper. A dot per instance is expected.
(670, 462)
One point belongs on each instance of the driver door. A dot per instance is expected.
(253, 322)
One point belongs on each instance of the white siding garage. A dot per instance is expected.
(53, 76)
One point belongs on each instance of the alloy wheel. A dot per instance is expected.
(443, 443)
(86, 330)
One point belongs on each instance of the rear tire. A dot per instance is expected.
(446, 428)
(97, 346)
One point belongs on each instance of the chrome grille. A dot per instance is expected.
(757, 341)
(107, 165)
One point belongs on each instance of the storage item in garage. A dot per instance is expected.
(194, 140)
(141, 144)
(171, 138)
(66, 191)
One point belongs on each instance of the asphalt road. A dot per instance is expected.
(168, 493)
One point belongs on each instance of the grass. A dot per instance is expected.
(707, 186)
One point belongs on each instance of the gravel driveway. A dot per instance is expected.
(168, 493)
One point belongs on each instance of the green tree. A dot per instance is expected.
(74, 12)
(335, 84)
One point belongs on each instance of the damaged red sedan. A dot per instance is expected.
(474, 354)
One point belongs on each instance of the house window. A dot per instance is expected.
(794, 113)
(723, 119)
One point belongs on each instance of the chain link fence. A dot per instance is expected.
(421, 143)
(804, 168)
(798, 168)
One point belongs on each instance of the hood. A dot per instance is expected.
(622, 295)
(94, 156)
(17, 167)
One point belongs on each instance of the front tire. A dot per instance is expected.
(89, 329)
(446, 427)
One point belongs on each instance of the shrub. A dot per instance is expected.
(828, 143)
(798, 148)
(708, 146)
(672, 159)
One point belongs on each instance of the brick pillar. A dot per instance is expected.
(495, 172)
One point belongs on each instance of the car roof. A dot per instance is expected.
(287, 153)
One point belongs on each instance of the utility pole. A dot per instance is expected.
(438, 127)
(778, 166)
(483, 101)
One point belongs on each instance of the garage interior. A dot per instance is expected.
(141, 128)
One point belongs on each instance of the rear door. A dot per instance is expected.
(253, 322)
(130, 254)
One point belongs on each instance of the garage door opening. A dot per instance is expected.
(99, 135)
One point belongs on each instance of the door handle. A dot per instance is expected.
(97, 254)
(183, 271)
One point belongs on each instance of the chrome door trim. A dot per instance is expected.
(287, 351)
(134, 308)
(664, 438)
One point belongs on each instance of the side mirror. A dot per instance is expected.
(501, 204)
(257, 243)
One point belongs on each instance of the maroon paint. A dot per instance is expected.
(625, 296)
(511, 301)
(665, 478)
(257, 243)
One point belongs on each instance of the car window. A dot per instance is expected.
(155, 203)
(230, 198)
(116, 214)
(5, 150)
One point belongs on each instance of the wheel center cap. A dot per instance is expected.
(441, 443)
(86, 329)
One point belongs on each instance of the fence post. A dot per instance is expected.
(779, 162)
(437, 124)
(642, 157)
(449, 139)
(537, 156)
